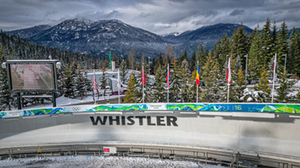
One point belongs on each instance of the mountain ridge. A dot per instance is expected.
(99, 37)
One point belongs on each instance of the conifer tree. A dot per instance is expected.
(237, 85)
(240, 86)
(263, 88)
(282, 45)
(123, 71)
(234, 44)
(206, 53)
(69, 83)
(265, 53)
(175, 80)
(5, 95)
(211, 77)
(255, 48)
(253, 69)
(201, 56)
(148, 96)
(88, 83)
(192, 64)
(293, 58)
(185, 56)
(225, 50)
(297, 100)
(130, 94)
(184, 76)
(217, 50)
(242, 48)
(159, 60)
(284, 89)
(80, 84)
(159, 90)
(255, 44)
(239, 44)
(102, 79)
(274, 39)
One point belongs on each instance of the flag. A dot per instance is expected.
(168, 76)
(110, 57)
(143, 76)
(95, 88)
(274, 66)
(198, 75)
(228, 72)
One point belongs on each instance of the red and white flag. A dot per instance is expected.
(228, 77)
(95, 87)
(275, 70)
(143, 76)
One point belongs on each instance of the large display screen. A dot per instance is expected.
(32, 76)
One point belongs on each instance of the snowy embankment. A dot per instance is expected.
(61, 101)
(96, 161)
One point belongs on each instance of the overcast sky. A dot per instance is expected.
(158, 16)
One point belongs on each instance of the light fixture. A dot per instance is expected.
(58, 65)
(4, 65)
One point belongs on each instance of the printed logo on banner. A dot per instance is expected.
(112, 150)
(77, 108)
(106, 150)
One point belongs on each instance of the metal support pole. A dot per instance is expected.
(54, 99)
(246, 69)
(274, 70)
(228, 93)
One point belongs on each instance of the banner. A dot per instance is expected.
(213, 107)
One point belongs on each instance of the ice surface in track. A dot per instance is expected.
(101, 162)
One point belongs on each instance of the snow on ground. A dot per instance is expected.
(99, 161)
(297, 84)
(61, 101)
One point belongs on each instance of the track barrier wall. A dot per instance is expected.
(269, 129)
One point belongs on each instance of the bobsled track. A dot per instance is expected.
(233, 134)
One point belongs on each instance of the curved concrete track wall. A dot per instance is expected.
(263, 133)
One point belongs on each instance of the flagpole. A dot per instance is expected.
(94, 88)
(228, 92)
(119, 85)
(228, 79)
(143, 81)
(199, 82)
(168, 84)
(273, 89)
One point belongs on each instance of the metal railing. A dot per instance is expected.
(226, 158)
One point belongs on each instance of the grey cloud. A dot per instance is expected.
(236, 12)
(114, 14)
(153, 15)
(211, 13)
(144, 14)
(178, 1)
(295, 3)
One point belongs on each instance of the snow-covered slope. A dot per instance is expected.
(29, 32)
(98, 37)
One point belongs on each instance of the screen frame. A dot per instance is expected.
(51, 62)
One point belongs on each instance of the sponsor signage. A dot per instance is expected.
(132, 120)
(109, 150)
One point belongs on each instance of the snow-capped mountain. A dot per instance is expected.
(100, 37)
(29, 32)
(97, 37)
(207, 35)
